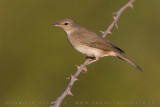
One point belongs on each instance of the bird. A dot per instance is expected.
(89, 43)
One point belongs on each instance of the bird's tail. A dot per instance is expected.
(129, 61)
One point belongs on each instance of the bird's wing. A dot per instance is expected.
(93, 40)
(99, 44)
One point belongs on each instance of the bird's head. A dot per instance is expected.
(67, 24)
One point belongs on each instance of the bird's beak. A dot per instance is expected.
(55, 25)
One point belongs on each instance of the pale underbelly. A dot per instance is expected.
(93, 52)
(89, 51)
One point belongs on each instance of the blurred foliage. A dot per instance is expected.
(35, 57)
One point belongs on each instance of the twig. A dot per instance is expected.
(73, 78)
(116, 17)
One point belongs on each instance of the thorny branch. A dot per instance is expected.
(72, 78)
(88, 61)
(116, 17)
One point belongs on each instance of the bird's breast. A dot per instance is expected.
(73, 40)
(89, 51)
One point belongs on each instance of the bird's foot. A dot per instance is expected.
(92, 60)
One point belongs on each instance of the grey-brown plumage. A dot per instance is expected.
(89, 43)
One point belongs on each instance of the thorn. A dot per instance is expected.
(101, 32)
(114, 17)
(131, 6)
(77, 67)
(69, 93)
(109, 32)
(116, 25)
(53, 102)
(73, 78)
(68, 78)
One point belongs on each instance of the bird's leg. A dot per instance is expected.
(92, 59)
(88, 61)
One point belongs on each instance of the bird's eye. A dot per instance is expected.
(65, 23)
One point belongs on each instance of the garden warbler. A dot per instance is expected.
(89, 43)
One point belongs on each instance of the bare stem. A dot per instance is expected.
(116, 17)
(72, 78)
(88, 61)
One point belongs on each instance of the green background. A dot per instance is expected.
(35, 57)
